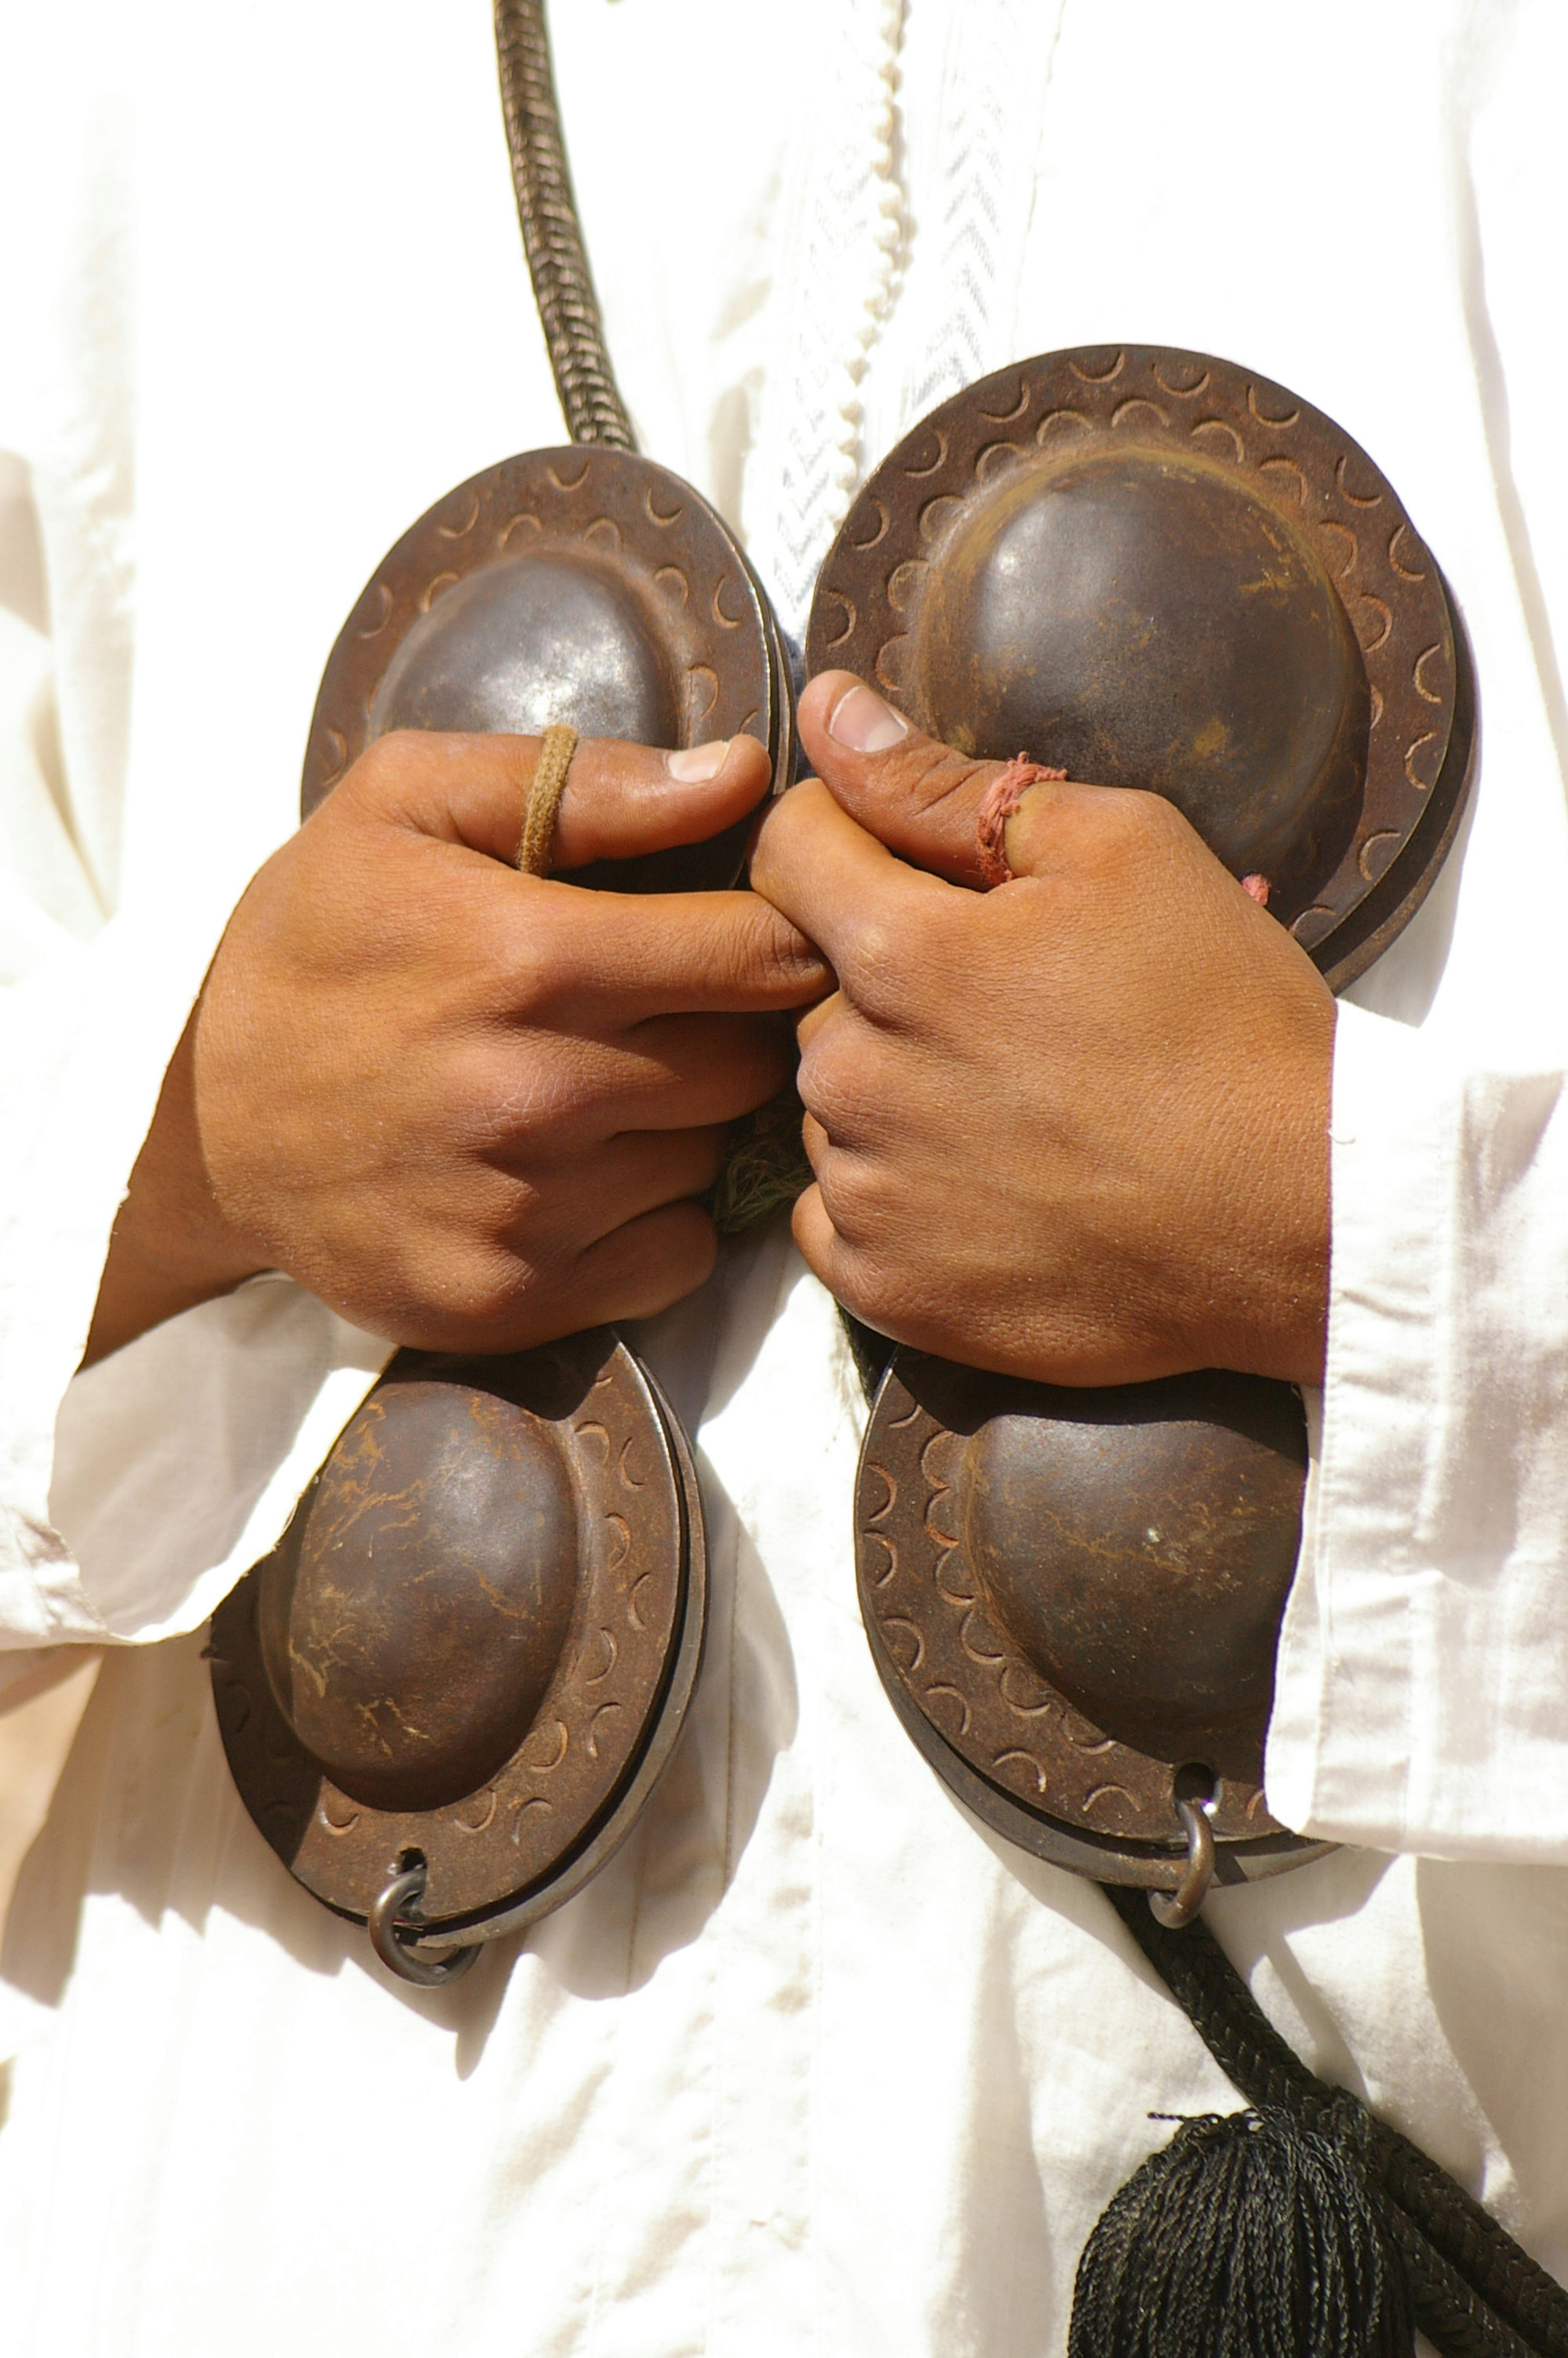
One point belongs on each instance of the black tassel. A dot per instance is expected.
(1249, 2235)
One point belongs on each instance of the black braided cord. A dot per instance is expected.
(552, 235)
(1473, 2292)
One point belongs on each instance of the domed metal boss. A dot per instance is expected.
(471, 1652)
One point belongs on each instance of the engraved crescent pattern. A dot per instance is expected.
(486, 1819)
(1415, 769)
(995, 459)
(917, 1655)
(939, 461)
(1379, 620)
(370, 629)
(864, 508)
(850, 619)
(1055, 417)
(975, 1620)
(1014, 1670)
(904, 583)
(1427, 694)
(1357, 499)
(1182, 392)
(889, 665)
(950, 1695)
(557, 1743)
(1339, 546)
(935, 515)
(1278, 467)
(1376, 852)
(1130, 412)
(465, 524)
(633, 1481)
(606, 1711)
(882, 1475)
(1402, 532)
(1009, 417)
(337, 755)
(1264, 417)
(884, 1540)
(607, 1639)
(673, 582)
(515, 523)
(1219, 427)
(431, 591)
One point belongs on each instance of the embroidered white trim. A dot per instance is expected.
(843, 213)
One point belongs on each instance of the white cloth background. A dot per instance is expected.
(815, 2063)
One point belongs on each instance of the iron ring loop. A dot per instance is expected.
(400, 1899)
(1175, 1909)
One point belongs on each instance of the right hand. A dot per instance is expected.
(466, 1107)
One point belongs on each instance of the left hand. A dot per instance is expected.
(1076, 1127)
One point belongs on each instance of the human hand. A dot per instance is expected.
(1076, 1127)
(467, 1107)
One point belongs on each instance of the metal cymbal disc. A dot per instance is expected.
(1155, 568)
(475, 1647)
(1071, 1599)
(583, 585)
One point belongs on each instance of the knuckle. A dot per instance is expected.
(385, 764)
(835, 1079)
(874, 960)
(773, 954)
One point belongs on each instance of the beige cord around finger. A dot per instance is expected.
(556, 747)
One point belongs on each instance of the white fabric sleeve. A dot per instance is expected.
(1422, 1687)
(175, 1461)
(133, 1496)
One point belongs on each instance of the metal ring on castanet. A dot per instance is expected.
(1150, 569)
(583, 585)
(474, 1647)
(1153, 569)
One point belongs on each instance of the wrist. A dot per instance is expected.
(171, 1246)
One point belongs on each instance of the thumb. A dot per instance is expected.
(935, 807)
(620, 800)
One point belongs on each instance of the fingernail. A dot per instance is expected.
(862, 723)
(696, 764)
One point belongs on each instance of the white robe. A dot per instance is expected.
(815, 2063)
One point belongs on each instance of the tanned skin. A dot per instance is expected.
(1075, 1128)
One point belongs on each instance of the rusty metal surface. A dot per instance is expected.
(1073, 1598)
(581, 585)
(482, 1620)
(1155, 568)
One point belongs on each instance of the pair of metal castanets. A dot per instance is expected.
(447, 1693)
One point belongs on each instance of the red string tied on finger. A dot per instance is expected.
(998, 804)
